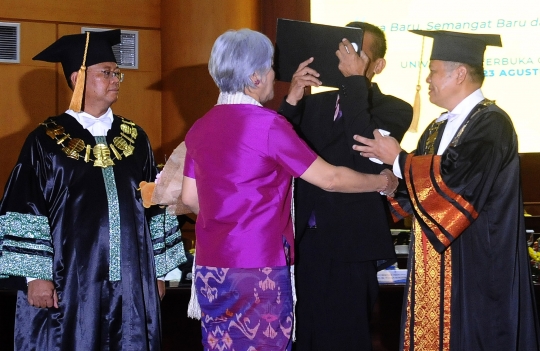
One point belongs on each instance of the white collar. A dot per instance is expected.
(97, 126)
(464, 107)
(236, 98)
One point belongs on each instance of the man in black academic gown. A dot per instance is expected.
(469, 285)
(72, 222)
(342, 240)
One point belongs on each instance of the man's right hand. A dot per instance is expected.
(350, 62)
(41, 294)
(303, 77)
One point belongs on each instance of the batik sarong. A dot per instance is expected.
(245, 309)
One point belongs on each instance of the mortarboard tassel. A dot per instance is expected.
(413, 128)
(78, 92)
(416, 111)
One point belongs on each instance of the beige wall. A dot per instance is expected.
(28, 94)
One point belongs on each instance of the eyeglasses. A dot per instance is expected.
(113, 74)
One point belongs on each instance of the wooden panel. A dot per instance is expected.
(270, 12)
(129, 13)
(149, 51)
(188, 93)
(34, 38)
(21, 112)
(190, 27)
(291, 9)
(140, 102)
(28, 97)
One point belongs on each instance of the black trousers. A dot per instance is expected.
(335, 298)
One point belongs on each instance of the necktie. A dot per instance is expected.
(311, 221)
(337, 112)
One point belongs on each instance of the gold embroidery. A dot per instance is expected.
(101, 152)
(409, 287)
(433, 131)
(395, 205)
(428, 287)
(425, 192)
(467, 206)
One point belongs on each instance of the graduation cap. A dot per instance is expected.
(459, 47)
(296, 41)
(78, 51)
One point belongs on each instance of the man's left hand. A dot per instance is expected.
(161, 288)
(350, 62)
(385, 148)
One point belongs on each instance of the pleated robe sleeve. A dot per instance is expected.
(25, 236)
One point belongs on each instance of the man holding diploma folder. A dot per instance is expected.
(342, 239)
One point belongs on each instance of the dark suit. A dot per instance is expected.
(352, 233)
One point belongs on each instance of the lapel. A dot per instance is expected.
(320, 129)
(334, 131)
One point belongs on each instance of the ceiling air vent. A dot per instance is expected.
(127, 52)
(10, 34)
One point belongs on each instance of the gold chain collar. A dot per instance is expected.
(76, 148)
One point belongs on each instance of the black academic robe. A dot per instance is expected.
(469, 285)
(358, 222)
(59, 217)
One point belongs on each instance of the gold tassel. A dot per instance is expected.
(78, 92)
(416, 111)
(413, 128)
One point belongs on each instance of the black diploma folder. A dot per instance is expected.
(297, 41)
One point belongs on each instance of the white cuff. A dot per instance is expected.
(396, 169)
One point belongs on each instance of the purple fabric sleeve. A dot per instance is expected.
(189, 167)
(291, 152)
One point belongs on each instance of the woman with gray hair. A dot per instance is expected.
(240, 162)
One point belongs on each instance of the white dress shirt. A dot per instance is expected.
(97, 126)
